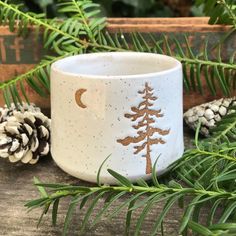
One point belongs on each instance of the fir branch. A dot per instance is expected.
(230, 11)
(87, 13)
(225, 130)
(212, 157)
(38, 22)
(84, 19)
(208, 154)
(29, 73)
(228, 229)
(51, 26)
(37, 78)
(59, 190)
(220, 11)
(150, 195)
(197, 61)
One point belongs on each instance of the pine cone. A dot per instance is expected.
(208, 114)
(6, 112)
(24, 135)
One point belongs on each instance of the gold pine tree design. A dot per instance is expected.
(145, 126)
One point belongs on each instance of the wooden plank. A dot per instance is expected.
(181, 24)
(162, 28)
(153, 20)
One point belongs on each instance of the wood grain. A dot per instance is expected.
(177, 24)
(16, 188)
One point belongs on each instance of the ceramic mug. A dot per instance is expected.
(124, 104)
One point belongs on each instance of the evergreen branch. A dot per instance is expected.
(197, 61)
(86, 12)
(29, 73)
(229, 11)
(39, 22)
(228, 229)
(219, 154)
(116, 44)
(84, 20)
(47, 26)
(11, 13)
(212, 157)
(195, 162)
(225, 130)
(37, 78)
(220, 11)
(70, 190)
(150, 195)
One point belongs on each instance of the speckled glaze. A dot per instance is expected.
(92, 94)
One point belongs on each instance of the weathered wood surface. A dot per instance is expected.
(16, 188)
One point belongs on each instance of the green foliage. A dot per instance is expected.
(225, 130)
(141, 198)
(86, 16)
(220, 11)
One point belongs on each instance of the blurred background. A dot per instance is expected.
(125, 8)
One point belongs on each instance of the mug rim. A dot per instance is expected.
(176, 67)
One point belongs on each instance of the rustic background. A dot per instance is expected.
(17, 54)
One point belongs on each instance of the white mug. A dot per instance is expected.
(126, 105)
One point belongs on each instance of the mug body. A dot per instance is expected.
(125, 105)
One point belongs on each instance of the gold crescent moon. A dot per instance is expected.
(78, 96)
